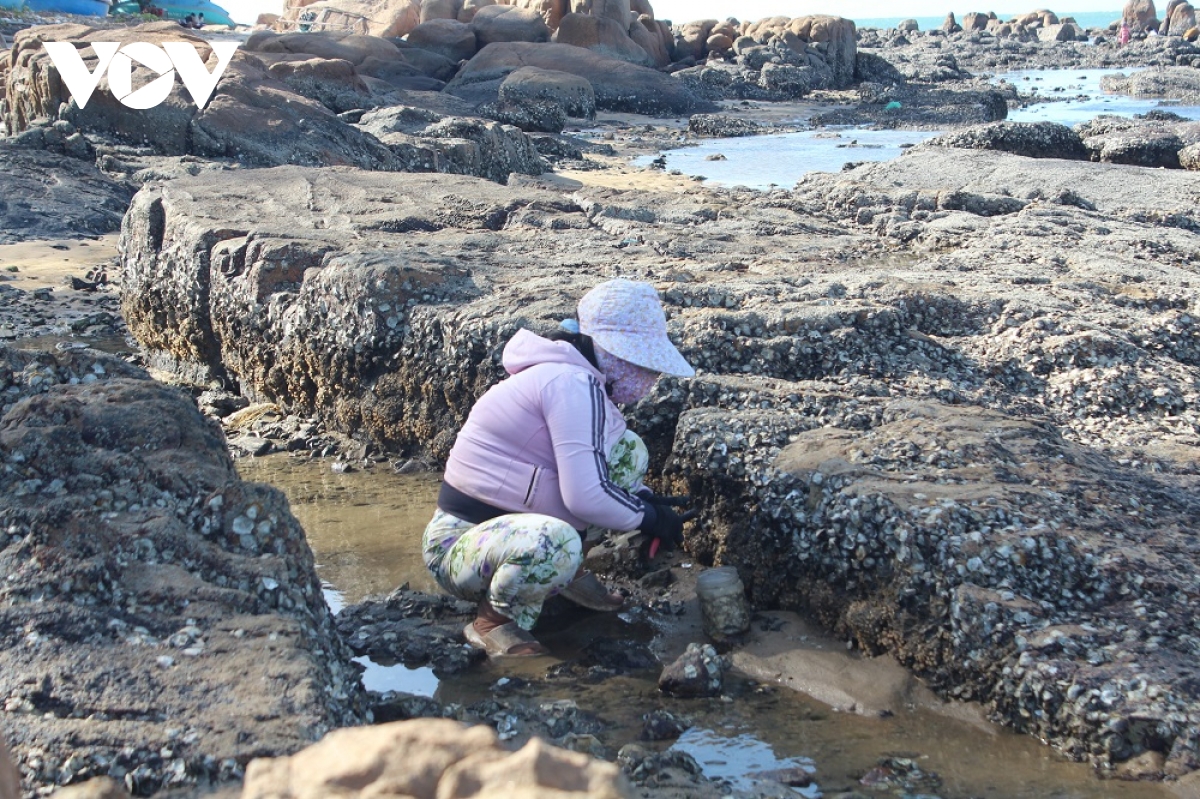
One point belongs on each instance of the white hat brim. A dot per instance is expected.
(658, 354)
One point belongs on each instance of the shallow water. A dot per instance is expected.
(763, 162)
(1087, 101)
(365, 530)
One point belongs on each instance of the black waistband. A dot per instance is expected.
(466, 507)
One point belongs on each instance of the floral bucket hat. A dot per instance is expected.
(626, 319)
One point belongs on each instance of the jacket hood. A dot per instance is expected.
(526, 349)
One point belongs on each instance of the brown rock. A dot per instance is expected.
(440, 9)
(1139, 15)
(725, 28)
(494, 24)
(653, 37)
(471, 7)
(718, 43)
(616, 10)
(250, 116)
(691, 38)
(619, 85)
(641, 8)
(372, 17)
(429, 758)
(1191, 34)
(343, 45)
(446, 37)
(572, 92)
(1057, 33)
(551, 11)
(950, 25)
(601, 35)
(1182, 18)
(975, 21)
(10, 786)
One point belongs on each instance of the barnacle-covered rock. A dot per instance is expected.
(137, 572)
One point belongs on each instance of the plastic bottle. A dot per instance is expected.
(722, 603)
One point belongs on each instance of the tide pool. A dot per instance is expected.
(761, 162)
(779, 160)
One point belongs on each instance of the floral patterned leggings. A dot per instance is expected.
(517, 560)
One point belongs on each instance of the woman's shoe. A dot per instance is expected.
(502, 640)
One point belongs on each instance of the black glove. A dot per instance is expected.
(665, 526)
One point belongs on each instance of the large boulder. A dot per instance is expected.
(1030, 139)
(1151, 142)
(1139, 15)
(618, 85)
(602, 36)
(654, 37)
(690, 39)
(975, 21)
(344, 45)
(440, 9)
(251, 116)
(462, 145)
(831, 39)
(143, 583)
(330, 81)
(1181, 20)
(251, 281)
(572, 92)
(616, 10)
(431, 757)
(471, 7)
(373, 17)
(1182, 83)
(1189, 157)
(551, 11)
(1036, 19)
(1059, 33)
(508, 24)
(448, 38)
(44, 195)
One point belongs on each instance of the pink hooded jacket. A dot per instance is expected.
(538, 441)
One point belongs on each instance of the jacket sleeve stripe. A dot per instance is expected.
(598, 419)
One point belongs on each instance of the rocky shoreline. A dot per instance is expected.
(949, 406)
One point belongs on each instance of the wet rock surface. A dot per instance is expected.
(1154, 140)
(697, 672)
(44, 195)
(140, 573)
(411, 628)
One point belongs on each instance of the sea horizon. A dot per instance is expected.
(1086, 19)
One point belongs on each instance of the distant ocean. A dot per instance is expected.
(1086, 19)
